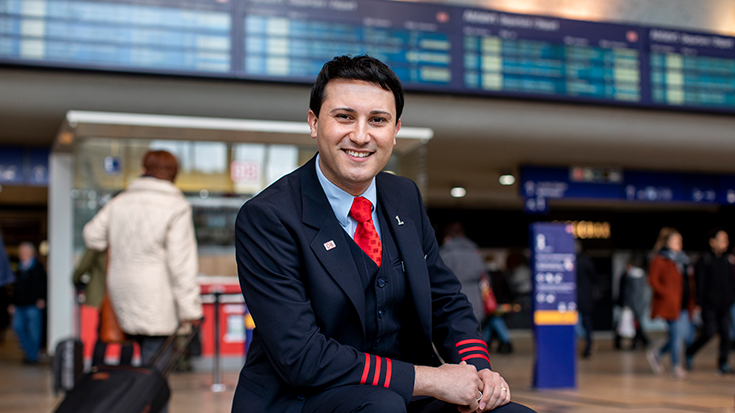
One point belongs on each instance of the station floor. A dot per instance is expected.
(611, 381)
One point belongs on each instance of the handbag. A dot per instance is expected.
(110, 331)
(626, 326)
(489, 302)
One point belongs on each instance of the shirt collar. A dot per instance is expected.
(26, 265)
(339, 199)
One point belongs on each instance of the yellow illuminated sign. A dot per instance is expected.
(590, 229)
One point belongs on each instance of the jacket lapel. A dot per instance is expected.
(329, 243)
(409, 244)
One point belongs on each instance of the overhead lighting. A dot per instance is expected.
(458, 192)
(507, 179)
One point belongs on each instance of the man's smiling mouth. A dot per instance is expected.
(357, 154)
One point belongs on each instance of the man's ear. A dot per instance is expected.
(312, 120)
(398, 128)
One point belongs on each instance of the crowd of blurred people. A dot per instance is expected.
(695, 297)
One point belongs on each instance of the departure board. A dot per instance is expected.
(155, 35)
(692, 69)
(539, 55)
(431, 47)
(294, 42)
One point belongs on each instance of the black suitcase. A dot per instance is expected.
(125, 389)
(68, 363)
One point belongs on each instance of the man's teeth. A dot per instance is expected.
(358, 154)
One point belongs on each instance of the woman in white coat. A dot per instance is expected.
(152, 273)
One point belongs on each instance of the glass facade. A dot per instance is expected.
(216, 178)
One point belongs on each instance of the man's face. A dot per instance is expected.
(25, 253)
(355, 132)
(720, 242)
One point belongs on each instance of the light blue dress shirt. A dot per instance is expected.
(341, 202)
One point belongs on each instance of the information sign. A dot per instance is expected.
(553, 268)
(539, 184)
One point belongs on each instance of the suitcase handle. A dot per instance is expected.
(159, 357)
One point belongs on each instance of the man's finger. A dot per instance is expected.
(494, 396)
(502, 392)
(506, 393)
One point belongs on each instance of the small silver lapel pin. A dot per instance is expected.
(330, 245)
(399, 220)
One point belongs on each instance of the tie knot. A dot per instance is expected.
(361, 209)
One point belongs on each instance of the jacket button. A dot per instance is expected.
(380, 314)
(381, 283)
(300, 397)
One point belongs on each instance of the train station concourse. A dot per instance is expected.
(566, 138)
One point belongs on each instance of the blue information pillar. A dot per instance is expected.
(553, 268)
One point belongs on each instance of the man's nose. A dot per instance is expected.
(360, 134)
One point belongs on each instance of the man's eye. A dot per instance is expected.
(342, 116)
(379, 120)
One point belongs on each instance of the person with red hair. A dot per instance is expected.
(152, 268)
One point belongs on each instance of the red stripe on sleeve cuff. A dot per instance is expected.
(388, 372)
(478, 348)
(476, 356)
(377, 371)
(471, 341)
(366, 369)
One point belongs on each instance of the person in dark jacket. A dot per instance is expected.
(29, 300)
(496, 322)
(715, 282)
(633, 295)
(586, 275)
(7, 277)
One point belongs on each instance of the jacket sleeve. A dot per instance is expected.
(654, 277)
(96, 231)
(273, 281)
(455, 330)
(700, 274)
(84, 266)
(181, 258)
(40, 279)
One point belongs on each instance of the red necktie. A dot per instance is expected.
(365, 235)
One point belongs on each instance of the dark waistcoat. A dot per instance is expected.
(385, 294)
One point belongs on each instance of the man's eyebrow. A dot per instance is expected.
(344, 109)
(372, 112)
(381, 112)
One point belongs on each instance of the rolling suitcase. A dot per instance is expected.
(68, 363)
(126, 389)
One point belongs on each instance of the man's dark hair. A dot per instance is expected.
(712, 234)
(365, 68)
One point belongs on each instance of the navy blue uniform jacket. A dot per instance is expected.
(304, 291)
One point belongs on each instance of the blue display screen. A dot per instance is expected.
(539, 184)
(431, 47)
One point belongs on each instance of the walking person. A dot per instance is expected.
(152, 270)
(633, 285)
(7, 277)
(670, 279)
(463, 257)
(90, 280)
(495, 322)
(28, 302)
(715, 281)
(586, 279)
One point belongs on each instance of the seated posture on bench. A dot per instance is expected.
(340, 268)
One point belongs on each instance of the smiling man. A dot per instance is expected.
(339, 267)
